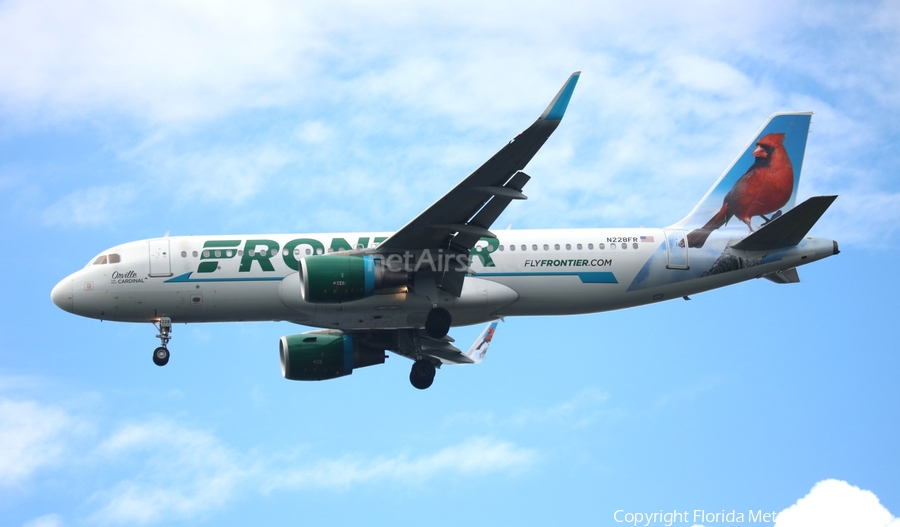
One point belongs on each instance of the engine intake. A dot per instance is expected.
(331, 279)
(318, 356)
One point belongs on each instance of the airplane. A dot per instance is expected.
(374, 292)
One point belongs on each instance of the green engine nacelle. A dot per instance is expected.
(331, 279)
(321, 356)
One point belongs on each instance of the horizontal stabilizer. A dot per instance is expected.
(788, 276)
(788, 229)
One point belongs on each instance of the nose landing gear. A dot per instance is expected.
(161, 354)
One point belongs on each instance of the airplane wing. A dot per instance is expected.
(458, 220)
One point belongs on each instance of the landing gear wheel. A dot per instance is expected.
(437, 323)
(422, 374)
(160, 356)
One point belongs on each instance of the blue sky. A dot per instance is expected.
(122, 121)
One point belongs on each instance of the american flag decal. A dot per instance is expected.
(647, 239)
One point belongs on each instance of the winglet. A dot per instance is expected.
(557, 108)
(480, 347)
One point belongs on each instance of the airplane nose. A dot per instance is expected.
(62, 295)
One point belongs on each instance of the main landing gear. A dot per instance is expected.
(422, 374)
(161, 354)
(437, 323)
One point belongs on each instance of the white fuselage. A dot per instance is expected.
(520, 273)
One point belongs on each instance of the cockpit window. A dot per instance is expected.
(100, 260)
(114, 258)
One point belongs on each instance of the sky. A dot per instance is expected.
(122, 121)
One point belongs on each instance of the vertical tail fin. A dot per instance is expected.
(760, 184)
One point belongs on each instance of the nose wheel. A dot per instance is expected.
(161, 354)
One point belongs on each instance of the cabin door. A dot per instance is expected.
(160, 264)
(677, 249)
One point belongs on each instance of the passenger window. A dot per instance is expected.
(556, 246)
(568, 246)
(546, 247)
(194, 254)
(612, 247)
(501, 248)
(534, 247)
(184, 254)
(524, 248)
(101, 260)
(578, 246)
(624, 245)
(512, 247)
(635, 245)
(601, 246)
(590, 246)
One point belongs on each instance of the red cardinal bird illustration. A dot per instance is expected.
(764, 188)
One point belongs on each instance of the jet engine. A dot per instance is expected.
(325, 354)
(331, 279)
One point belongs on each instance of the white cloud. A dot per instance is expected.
(689, 393)
(708, 75)
(181, 473)
(47, 520)
(32, 437)
(186, 473)
(836, 503)
(581, 410)
(405, 104)
(477, 455)
(217, 175)
(167, 61)
(94, 206)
